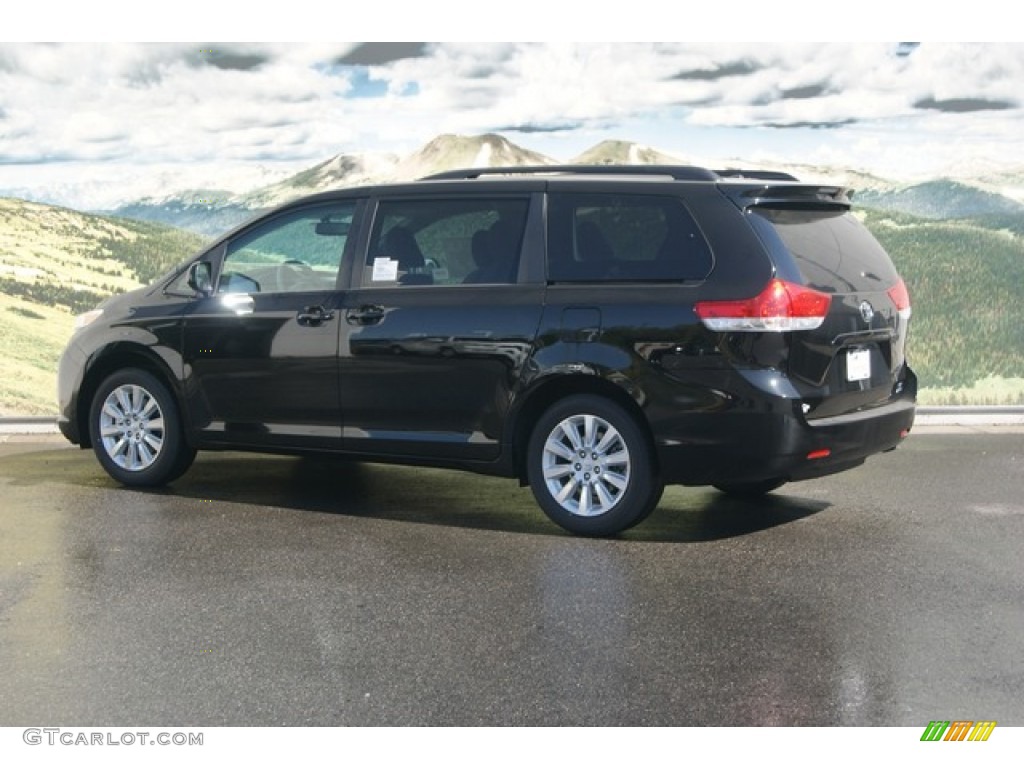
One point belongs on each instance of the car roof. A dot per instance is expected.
(745, 186)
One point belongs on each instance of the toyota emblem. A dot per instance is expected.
(867, 312)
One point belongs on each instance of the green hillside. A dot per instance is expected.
(55, 263)
(966, 284)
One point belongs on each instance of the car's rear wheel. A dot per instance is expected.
(750, 490)
(136, 430)
(590, 467)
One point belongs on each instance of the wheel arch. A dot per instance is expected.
(109, 360)
(555, 388)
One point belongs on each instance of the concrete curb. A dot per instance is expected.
(970, 416)
(29, 425)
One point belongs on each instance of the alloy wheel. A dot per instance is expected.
(586, 465)
(132, 427)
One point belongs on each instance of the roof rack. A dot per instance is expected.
(677, 172)
(746, 173)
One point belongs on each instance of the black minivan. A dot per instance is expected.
(594, 331)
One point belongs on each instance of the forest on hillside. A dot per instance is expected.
(966, 281)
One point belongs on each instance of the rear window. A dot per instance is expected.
(624, 238)
(833, 250)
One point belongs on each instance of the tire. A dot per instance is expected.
(750, 490)
(136, 430)
(590, 467)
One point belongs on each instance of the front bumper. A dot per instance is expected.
(70, 375)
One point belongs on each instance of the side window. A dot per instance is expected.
(298, 251)
(595, 237)
(445, 242)
(179, 286)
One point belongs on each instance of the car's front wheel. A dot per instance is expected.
(590, 467)
(136, 430)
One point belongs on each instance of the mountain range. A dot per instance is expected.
(211, 211)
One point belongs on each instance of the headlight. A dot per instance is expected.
(84, 319)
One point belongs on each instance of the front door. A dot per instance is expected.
(261, 351)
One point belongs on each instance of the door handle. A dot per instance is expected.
(315, 315)
(368, 314)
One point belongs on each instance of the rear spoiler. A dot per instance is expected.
(783, 195)
(746, 173)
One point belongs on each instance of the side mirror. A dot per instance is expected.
(200, 278)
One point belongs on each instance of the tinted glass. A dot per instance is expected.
(298, 251)
(445, 242)
(624, 238)
(834, 251)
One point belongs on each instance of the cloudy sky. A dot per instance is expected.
(87, 123)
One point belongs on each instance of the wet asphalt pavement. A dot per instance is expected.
(278, 591)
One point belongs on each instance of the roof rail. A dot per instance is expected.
(746, 173)
(677, 172)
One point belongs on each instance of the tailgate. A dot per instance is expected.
(855, 359)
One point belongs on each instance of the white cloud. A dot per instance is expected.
(281, 103)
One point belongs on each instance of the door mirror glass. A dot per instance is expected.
(200, 278)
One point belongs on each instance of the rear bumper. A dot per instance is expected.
(852, 438)
(775, 441)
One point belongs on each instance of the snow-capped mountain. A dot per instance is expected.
(1008, 183)
(107, 186)
(346, 170)
(614, 152)
(448, 152)
(207, 212)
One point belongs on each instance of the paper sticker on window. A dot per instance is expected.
(385, 269)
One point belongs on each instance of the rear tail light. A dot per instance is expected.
(780, 307)
(901, 298)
